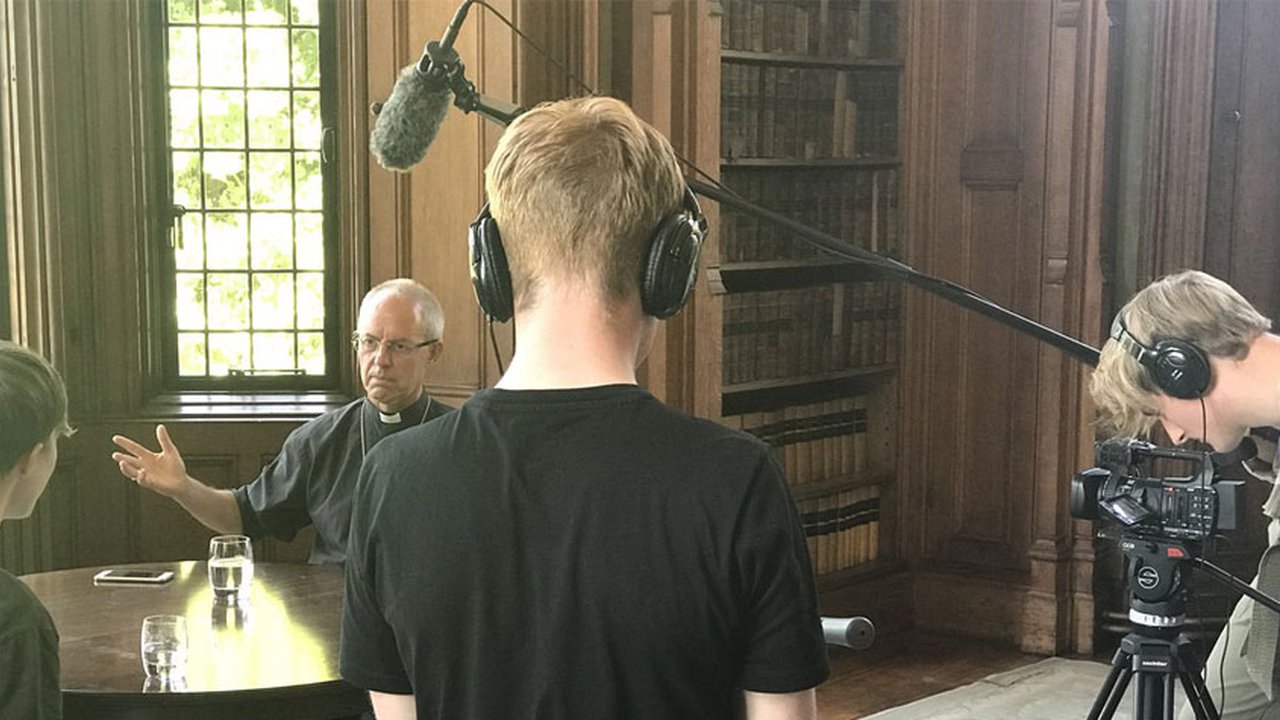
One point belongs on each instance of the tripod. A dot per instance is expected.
(1157, 650)
(1155, 655)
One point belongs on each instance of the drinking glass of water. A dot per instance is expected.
(230, 568)
(164, 645)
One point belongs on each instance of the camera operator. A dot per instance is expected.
(1189, 351)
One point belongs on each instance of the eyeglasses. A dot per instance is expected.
(369, 344)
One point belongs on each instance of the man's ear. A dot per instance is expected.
(25, 462)
(433, 352)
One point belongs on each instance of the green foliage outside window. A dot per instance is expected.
(245, 134)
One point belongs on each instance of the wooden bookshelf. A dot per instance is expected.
(818, 489)
(761, 395)
(765, 275)
(809, 129)
(776, 162)
(792, 60)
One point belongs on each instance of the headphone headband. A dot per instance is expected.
(1130, 344)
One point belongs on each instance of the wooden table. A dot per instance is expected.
(277, 657)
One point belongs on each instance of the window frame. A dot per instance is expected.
(171, 385)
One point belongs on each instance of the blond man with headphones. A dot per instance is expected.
(565, 545)
(1188, 351)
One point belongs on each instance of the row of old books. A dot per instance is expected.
(842, 528)
(817, 441)
(829, 28)
(809, 331)
(857, 205)
(775, 111)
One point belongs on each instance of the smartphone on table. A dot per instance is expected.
(118, 576)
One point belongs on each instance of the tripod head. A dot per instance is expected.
(1154, 575)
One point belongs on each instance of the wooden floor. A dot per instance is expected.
(904, 668)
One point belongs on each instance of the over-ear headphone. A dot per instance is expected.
(1178, 367)
(667, 274)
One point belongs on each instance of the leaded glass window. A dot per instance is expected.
(252, 289)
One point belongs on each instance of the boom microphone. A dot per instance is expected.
(409, 120)
(854, 632)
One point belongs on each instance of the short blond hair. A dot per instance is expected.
(1192, 306)
(427, 309)
(577, 188)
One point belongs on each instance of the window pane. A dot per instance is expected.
(220, 11)
(271, 239)
(268, 118)
(273, 351)
(186, 180)
(191, 354)
(310, 241)
(184, 119)
(183, 65)
(226, 351)
(309, 193)
(310, 301)
(190, 256)
(223, 112)
(221, 56)
(181, 11)
(311, 353)
(307, 129)
(228, 301)
(228, 247)
(267, 12)
(306, 58)
(306, 12)
(190, 301)
(224, 177)
(270, 180)
(273, 301)
(268, 57)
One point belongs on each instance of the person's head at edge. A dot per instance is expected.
(577, 188)
(1193, 306)
(33, 416)
(399, 335)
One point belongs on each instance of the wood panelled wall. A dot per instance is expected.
(1004, 121)
(1243, 213)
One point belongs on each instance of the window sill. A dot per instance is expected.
(197, 405)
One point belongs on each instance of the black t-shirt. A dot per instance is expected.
(583, 553)
(311, 480)
(29, 665)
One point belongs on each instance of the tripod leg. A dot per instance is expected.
(1191, 671)
(1154, 696)
(1198, 696)
(1112, 690)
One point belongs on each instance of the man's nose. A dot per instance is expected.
(1176, 434)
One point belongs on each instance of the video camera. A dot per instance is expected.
(1124, 488)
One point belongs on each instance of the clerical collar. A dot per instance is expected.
(411, 414)
(394, 419)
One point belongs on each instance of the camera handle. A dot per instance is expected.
(1236, 584)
